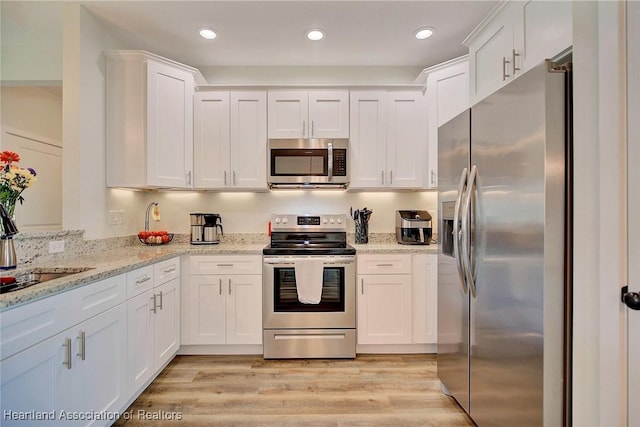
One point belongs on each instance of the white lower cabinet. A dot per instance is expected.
(153, 327)
(224, 308)
(384, 299)
(75, 373)
(397, 301)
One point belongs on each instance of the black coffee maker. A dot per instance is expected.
(413, 227)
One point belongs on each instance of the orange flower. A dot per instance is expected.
(9, 156)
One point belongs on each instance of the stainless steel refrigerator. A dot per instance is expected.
(504, 200)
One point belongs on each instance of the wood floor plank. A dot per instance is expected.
(371, 390)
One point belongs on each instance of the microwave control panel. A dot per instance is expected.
(339, 162)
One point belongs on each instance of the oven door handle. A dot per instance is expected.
(292, 261)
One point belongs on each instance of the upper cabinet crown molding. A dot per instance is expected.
(491, 16)
(424, 74)
(143, 55)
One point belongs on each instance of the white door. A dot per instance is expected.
(329, 114)
(248, 148)
(425, 298)
(633, 253)
(211, 140)
(368, 141)
(288, 114)
(206, 309)
(167, 322)
(244, 309)
(140, 321)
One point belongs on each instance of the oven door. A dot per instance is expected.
(281, 308)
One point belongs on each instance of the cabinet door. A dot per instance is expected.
(244, 309)
(140, 334)
(249, 140)
(206, 316)
(288, 114)
(491, 56)
(211, 140)
(368, 141)
(384, 309)
(542, 29)
(169, 126)
(329, 114)
(407, 140)
(35, 380)
(425, 299)
(100, 359)
(447, 96)
(167, 322)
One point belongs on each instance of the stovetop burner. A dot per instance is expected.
(309, 235)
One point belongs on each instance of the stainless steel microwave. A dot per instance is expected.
(308, 163)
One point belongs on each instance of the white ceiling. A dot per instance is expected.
(271, 33)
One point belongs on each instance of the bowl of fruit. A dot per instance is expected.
(155, 237)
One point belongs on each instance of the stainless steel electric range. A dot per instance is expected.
(325, 327)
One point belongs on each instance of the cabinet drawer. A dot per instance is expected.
(166, 270)
(213, 264)
(139, 280)
(384, 264)
(26, 325)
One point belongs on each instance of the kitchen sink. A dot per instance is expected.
(37, 275)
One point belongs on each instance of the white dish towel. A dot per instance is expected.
(309, 272)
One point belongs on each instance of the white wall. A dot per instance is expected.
(34, 109)
(249, 212)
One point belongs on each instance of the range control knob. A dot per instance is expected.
(277, 221)
(324, 220)
(285, 220)
(332, 220)
(339, 220)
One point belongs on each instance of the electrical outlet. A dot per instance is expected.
(56, 246)
(116, 217)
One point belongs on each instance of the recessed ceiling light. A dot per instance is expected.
(207, 33)
(315, 34)
(424, 33)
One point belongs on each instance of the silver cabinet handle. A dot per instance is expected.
(505, 75)
(515, 54)
(82, 351)
(169, 270)
(330, 161)
(225, 177)
(220, 287)
(229, 286)
(189, 178)
(141, 281)
(433, 177)
(312, 128)
(154, 304)
(67, 353)
(224, 265)
(384, 265)
(304, 128)
(382, 175)
(361, 286)
(234, 178)
(391, 178)
(160, 305)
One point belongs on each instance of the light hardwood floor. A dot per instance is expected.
(372, 390)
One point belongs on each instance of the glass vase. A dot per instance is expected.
(362, 232)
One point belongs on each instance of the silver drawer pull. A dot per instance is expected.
(82, 351)
(224, 265)
(169, 270)
(384, 265)
(141, 281)
(67, 353)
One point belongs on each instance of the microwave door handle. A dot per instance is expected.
(330, 160)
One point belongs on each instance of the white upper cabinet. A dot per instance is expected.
(230, 140)
(149, 121)
(388, 139)
(447, 96)
(297, 114)
(516, 36)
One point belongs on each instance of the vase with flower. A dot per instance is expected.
(13, 181)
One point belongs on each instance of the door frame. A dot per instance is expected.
(600, 224)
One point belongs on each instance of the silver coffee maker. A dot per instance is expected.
(413, 227)
(206, 228)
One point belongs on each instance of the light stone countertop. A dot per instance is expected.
(110, 263)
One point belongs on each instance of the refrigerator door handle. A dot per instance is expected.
(466, 252)
(457, 232)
